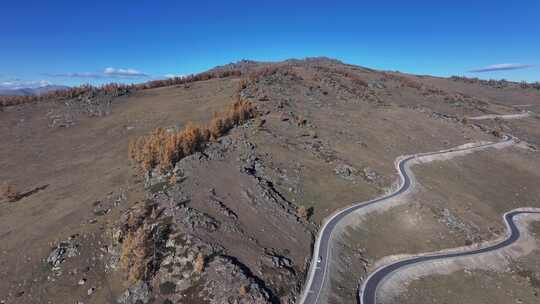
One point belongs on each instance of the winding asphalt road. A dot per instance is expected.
(368, 291)
(319, 263)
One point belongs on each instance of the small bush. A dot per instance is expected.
(497, 133)
(304, 212)
(199, 263)
(134, 254)
(142, 243)
(7, 191)
(243, 290)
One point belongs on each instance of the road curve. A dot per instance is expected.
(319, 262)
(368, 291)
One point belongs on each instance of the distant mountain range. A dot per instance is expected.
(32, 91)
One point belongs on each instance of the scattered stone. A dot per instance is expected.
(370, 175)
(194, 218)
(66, 249)
(280, 261)
(345, 171)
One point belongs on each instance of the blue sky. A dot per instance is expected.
(73, 42)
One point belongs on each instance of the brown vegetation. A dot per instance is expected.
(408, 82)
(199, 263)
(115, 89)
(111, 89)
(260, 73)
(304, 212)
(356, 80)
(8, 192)
(142, 243)
(134, 254)
(497, 133)
(502, 83)
(243, 290)
(187, 79)
(163, 148)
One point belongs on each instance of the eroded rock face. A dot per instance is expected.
(212, 253)
(193, 270)
(240, 286)
(214, 278)
(137, 294)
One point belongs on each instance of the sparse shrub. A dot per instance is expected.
(142, 243)
(356, 80)
(164, 149)
(134, 254)
(243, 290)
(116, 89)
(502, 83)
(173, 179)
(242, 84)
(199, 263)
(263, 72)
(7, 191)
(259, 122)
(304, 212)
(301, 121)
(216, 127)
(408, 82)
(191, 139)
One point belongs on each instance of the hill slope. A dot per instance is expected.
(235, 220)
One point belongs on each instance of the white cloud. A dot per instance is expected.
(173, 76)
(123, 72)
(78, 75)
(502, 67)
(22, 84)
(107, 73)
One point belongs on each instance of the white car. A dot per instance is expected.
(319, 260)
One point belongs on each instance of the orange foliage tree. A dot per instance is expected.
(164, 149)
